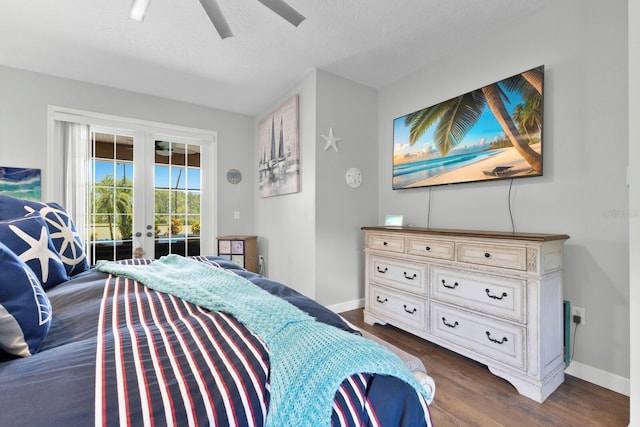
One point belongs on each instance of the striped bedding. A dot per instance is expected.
(121, 354)
(217, 371)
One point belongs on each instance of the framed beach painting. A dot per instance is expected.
(23, 183)
(494, 132)
(279, 164)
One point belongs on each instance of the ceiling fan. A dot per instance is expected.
(167, 148)
(139, 10)
(163, 148)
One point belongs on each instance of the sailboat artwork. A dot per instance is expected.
(279, 164)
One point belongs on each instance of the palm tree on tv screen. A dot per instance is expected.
(528, 116)
(457, 116)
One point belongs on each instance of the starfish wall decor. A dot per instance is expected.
(331, 140)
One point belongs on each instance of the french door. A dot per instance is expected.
(145, 195)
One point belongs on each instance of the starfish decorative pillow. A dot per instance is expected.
(28, 238)
(61, 228)
(25, 309)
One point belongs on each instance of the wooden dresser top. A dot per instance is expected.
(531, 237)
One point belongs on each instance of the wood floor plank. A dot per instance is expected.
(467, 394)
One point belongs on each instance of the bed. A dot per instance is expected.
(104, 347)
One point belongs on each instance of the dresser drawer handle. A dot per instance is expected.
(455, 285)
(428, 248)
(487, 255)
(502, 341)
(409, 277)
(410, 311)
(451, 325)
(504, 294)
(382, 271)
(381, 301)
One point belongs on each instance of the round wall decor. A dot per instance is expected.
(354, 177)
(234, 176)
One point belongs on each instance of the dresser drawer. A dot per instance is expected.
(432, 248)
(386, 243)
(495, 295)
(399, 274)
(391, 305)
(514, 257)
(500, 341)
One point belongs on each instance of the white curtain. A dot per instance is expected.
(74, 157)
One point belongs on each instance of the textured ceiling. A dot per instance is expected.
(176, 53)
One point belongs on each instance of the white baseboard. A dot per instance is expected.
(599, 377)
(347, 305)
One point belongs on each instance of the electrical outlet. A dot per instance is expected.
(578, 311)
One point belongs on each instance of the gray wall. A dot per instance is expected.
(23, 131)
(352, 111)
(311, 240)
(583, 193)
(285, 223)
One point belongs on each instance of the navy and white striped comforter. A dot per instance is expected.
(119, 353)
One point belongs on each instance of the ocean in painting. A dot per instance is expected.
(20, 182)
(406, 174)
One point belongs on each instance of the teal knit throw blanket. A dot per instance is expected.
(309, 359)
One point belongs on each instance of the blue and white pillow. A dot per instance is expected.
(28, 238)
(61, 228)
(25, 310)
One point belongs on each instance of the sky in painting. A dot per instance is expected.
(485, 130)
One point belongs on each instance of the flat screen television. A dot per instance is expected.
(494, 132)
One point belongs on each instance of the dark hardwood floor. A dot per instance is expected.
(467, 394)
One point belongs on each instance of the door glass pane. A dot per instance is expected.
(177, 198)
(111, 197)
(178, 179)
(124, 174)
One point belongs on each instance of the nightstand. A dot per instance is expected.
(243, 250)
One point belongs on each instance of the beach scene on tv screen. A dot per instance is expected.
(494, 132)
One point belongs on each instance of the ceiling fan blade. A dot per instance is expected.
(139, 9)
(284, 10)
(217, 18)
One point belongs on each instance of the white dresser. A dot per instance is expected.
(494, 297)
